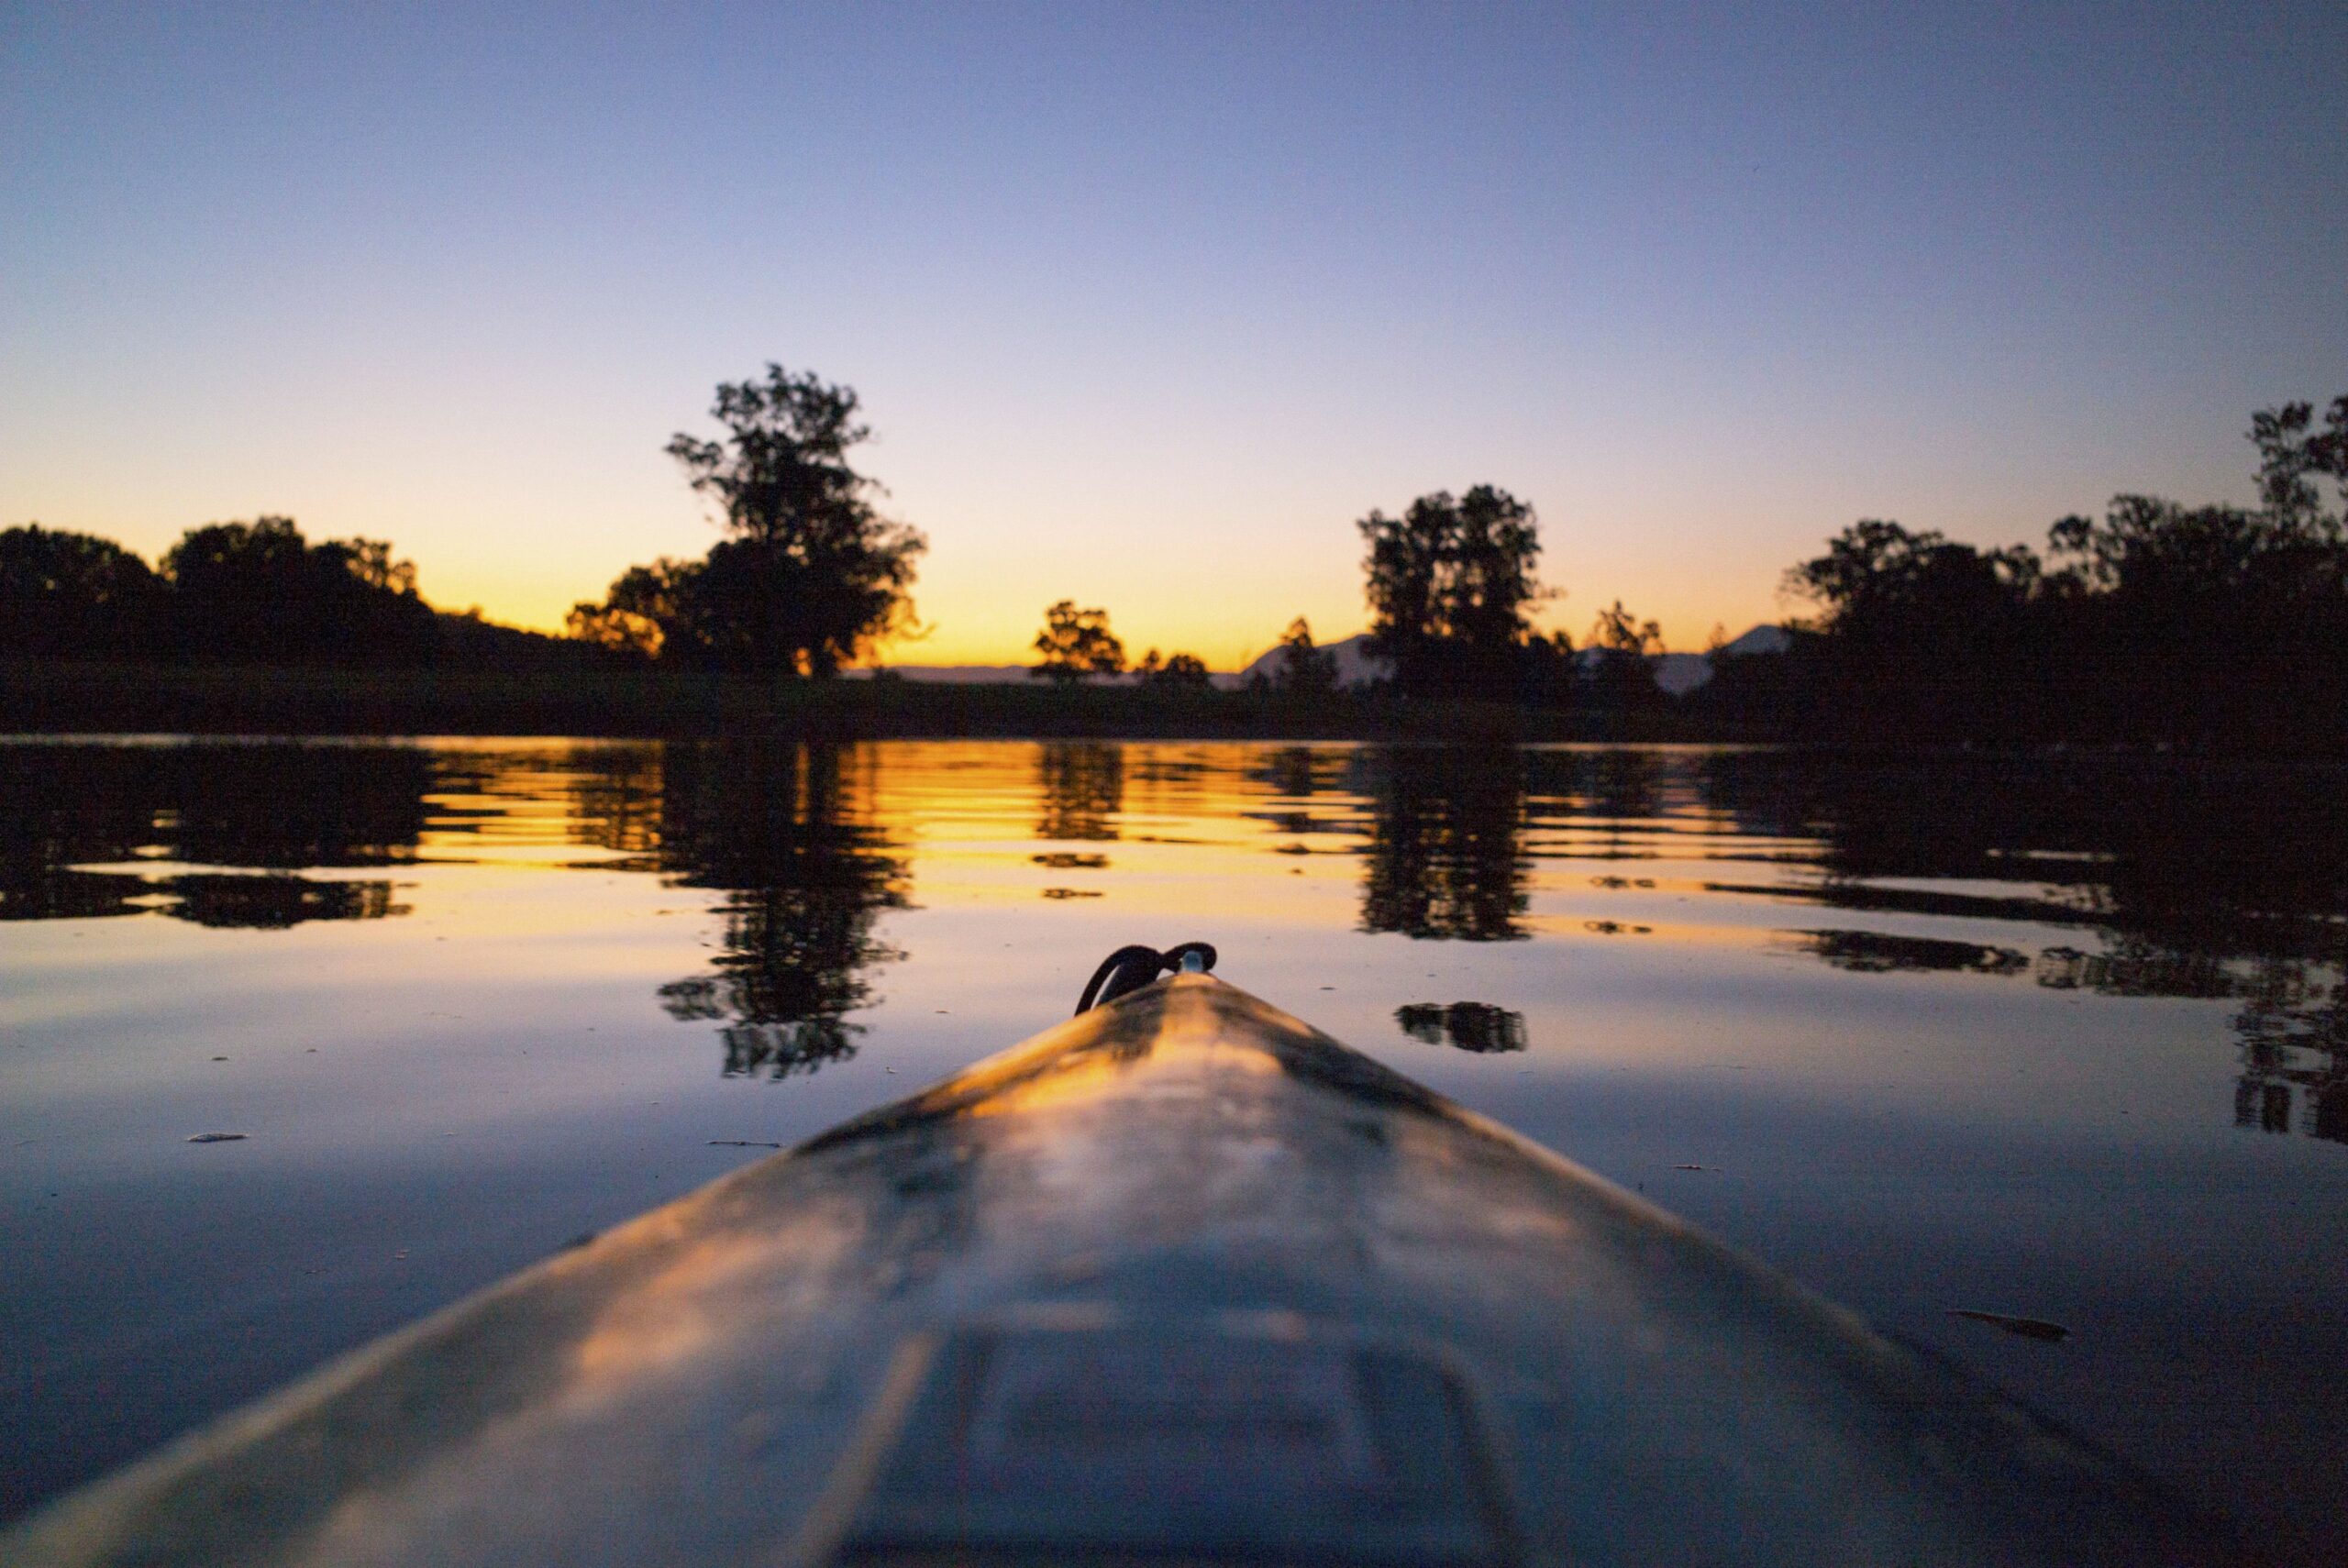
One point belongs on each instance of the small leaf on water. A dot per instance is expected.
(2027, 1327)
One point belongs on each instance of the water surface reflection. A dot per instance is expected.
(787, 836)
(1466, 1026)
(2060, 1036)
(215, 835)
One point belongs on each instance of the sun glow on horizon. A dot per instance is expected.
(1144, 312)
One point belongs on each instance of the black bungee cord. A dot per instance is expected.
(1131, 968)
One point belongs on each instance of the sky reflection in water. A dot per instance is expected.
(2053, 1036)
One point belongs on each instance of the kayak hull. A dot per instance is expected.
(1182, 1276)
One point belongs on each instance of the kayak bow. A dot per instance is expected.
(1181, 1279)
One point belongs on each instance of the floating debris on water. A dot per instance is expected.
(741, 1144)
(2027, 1327)
(217, 1138)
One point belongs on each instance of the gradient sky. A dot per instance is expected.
(1148, 304)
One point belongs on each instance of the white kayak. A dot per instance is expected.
(1179, 1280)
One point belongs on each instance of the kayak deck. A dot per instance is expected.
(1180, 1279)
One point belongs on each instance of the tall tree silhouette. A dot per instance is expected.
(1451, 587)
(1076, 643)
(812, 574)
(809, 575)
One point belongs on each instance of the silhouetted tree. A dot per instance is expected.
(810, 576)
(1451, 588)
(1076, 643)
(2290, 451)
(2156, 622)
(1878, 580)
(1618, 670)
(1185, 669)
(646, 609)
(2197, 623)
(1176, 672)
(259, 591)
(1303, 670)
(74, 595)
(1924, 637)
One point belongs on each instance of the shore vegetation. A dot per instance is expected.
(2159, 622)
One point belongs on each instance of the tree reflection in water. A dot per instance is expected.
(1445, 861)
(1081, 790)
(2202, 878)
(1466, 1026)
(236, 810)
(786, 834)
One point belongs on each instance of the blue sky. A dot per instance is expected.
(1147, 305)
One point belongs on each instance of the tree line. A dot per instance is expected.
(246, 592)
(2157, 622)
(258, 592)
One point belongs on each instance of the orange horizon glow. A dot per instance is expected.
(983, 584)
(987, 623)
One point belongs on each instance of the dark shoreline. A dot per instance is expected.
(93, 698)
(97, 697)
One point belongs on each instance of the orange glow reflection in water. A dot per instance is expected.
(2058, 1035)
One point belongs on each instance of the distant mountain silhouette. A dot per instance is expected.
(1762, 639)
(1357, 666)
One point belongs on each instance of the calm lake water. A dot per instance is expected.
(2055, 1036)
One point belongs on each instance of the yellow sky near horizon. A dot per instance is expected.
(971, 615)
(1222, 587)
(1146, 312)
